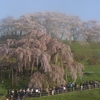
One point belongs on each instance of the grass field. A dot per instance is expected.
(80, 95)
(84, 53)
(2, 90)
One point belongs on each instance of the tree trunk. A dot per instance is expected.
(56, 59)
(61, 64)
(15, 78)
(1, 74)
(9, 74)
(12, 76)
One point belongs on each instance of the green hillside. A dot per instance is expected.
(89, 56)
(84, 95)
(2, 90)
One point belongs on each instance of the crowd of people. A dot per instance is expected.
(21, 94)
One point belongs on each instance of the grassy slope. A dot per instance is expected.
(2, 90)
(91, 72)
(84, 95)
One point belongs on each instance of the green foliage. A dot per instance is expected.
(13, 46)
(2, 89)
(5, 37)
(92, 61)
(2, 42)
(7, 59)
(79, 57)
(22, 82)
(7, 84)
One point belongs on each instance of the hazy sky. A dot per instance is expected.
(85, 9)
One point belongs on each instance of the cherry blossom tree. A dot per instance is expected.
(37, 50)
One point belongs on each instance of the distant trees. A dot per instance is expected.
(75, 28)
(91, 30)
(58, 25)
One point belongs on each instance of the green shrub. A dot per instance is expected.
(79, 57)
(93, 61)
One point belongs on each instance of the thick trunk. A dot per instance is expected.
(1, 74)
(12, 77)
(15, 77)
(9, 76)
(56, 59)
(61, 64)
